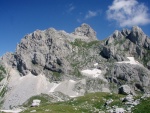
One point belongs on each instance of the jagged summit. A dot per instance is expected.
(138, 37)
(135, 35)
(116, 34)
(85, 30)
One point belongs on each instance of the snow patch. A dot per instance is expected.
(131, 61)
(94, 73)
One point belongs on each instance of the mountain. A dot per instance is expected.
(67, 65)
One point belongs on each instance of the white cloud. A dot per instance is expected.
(71, 8)
(79, 20)
(91, 14)
(128, 13)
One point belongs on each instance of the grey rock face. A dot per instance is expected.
(108, 52)
(38, 59)
(147, 43)
(96, 85)
(41, 50)
(116, 36)
(148, 64)
(135, 75)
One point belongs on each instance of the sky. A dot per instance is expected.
(21, 17)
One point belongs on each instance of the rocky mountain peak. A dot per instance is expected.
(116, 34)
(137, 29)
(85, 30)
(125, 32)
(138, 37)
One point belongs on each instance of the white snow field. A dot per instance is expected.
(131, 61)
(92, 73)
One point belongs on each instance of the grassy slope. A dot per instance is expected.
(86, 104)
(143, 107)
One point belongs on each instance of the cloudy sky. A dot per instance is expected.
(20, 17)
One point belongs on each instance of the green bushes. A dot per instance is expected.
(3, 91)
(80, 43)
(2, 69)
(2, 72)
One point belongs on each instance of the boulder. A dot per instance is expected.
(128, 98)
(124, 89)
(35, 103)
(108, 102)
(119, 110)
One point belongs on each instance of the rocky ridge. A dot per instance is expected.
(52, 61)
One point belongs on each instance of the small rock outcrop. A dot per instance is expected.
(124, 89)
